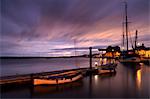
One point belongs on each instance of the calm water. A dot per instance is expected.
(126, 83)
(26, 66)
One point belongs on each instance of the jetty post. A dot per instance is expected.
(31, 80)
(90, 72)
(31, 87)
(90, 55)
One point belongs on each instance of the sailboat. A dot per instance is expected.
(128, 56)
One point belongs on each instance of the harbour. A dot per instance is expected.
(63, 49)
(88, 71)
(127, 82)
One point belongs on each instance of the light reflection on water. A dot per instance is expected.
(128, 82)
(138, 78)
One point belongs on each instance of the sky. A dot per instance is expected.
(55, 27)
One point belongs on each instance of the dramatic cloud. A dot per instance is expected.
(47, 27)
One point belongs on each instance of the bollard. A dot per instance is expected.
(90, 55)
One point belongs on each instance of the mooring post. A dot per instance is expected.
(32, 80)
(31, 85)
(90, 55)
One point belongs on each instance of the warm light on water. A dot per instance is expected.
(96, 77)
(138, 78)
(127, 82)
(104, 61)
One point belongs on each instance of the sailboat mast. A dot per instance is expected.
(123, 34)
(126, 24)
(136, 38)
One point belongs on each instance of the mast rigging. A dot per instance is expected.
(126, 24)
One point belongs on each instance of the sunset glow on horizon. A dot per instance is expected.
(47, 27)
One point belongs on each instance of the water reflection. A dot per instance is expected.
(55, 90)
(138, 78)
(96, 77)
(90, 87)
(134, 78)
(127, 82)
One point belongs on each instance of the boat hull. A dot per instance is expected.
(130, 61)
(108, 68)
(56, 81)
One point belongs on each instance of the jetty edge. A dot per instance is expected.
(28, 79)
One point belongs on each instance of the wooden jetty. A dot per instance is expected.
(29, 78)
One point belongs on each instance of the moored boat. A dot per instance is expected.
(128, 56)
(107, 68)
(61, 78)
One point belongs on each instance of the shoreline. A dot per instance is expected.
(28, 57)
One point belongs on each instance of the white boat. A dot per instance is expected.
(61, 78)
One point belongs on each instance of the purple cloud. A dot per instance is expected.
(37, 26)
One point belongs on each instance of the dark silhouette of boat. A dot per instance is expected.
(128, 56)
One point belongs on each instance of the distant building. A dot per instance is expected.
(143, 51)
(112, 52)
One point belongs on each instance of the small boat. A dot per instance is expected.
(45, 90)
(106, 68)
(61, 78)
